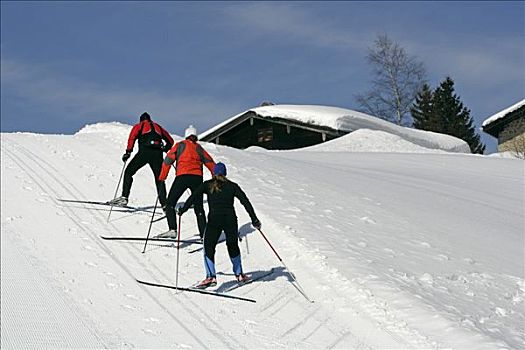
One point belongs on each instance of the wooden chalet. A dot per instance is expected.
(273, 133)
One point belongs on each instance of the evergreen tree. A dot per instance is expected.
(443, 112)
(455, 118)
(421, 110)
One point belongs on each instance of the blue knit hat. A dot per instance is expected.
(219, 169)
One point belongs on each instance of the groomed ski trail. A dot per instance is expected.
(351, 315)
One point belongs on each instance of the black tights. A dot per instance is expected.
(217, 224)
(181, 184)
(150, 156)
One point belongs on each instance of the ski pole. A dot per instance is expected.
(118, 185)
(178, 246)
(246, 240)
(298, 286)
(150, 224)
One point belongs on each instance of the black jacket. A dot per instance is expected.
(221, 202)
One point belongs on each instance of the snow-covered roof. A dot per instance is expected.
(349, 120)
(503, 113)
(332, 117)
(317, 115)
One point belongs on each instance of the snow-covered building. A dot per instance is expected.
(508, 126)
(277, 127)
(280, 127)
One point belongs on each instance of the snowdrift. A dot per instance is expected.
(365, 140)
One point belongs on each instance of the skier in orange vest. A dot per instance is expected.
(189, 157)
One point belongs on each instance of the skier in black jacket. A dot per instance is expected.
(221, 193)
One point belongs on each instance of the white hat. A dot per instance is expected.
(190, 131)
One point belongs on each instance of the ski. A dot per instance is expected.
(102, 203)
(252, 279)
(195, 250)
(158, 219)
(153, 239)
(201, 291)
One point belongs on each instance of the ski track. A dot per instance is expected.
(23, 293)
(214, 328)
(75, 219)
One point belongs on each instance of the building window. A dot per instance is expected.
(264, 135)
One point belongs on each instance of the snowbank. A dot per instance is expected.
(365, 140)
(112, 127)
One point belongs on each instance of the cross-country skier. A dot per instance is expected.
(153, 140)
(189, 156)
(221, 217)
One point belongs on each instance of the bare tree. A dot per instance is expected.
(518, 146)
(398, 78)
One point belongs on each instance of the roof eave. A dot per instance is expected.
(495, 127)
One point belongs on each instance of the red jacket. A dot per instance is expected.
(190, 156)
(143, 128)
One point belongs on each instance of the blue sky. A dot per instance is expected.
(68, 64)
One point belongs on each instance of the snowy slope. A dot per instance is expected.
(404, 250)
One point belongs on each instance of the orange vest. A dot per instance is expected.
(189, 156)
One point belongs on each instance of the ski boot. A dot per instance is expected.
(171, 234)
(208, 282)
(118, 202)
(242, 278)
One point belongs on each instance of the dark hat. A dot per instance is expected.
(145, 116)
(219, 169)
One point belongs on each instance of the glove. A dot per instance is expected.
(257, 224)
(180, 211)
(166, 148)
(126, 156)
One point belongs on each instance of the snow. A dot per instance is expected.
(503, 113)
(365, 140)
(400, 246)
(350, 120)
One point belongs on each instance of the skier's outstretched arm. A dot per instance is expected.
(170, 158)
(239, 193)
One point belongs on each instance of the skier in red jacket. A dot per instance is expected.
(189, 156)
(153, 140)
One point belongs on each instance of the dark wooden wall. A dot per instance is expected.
(245, 135)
